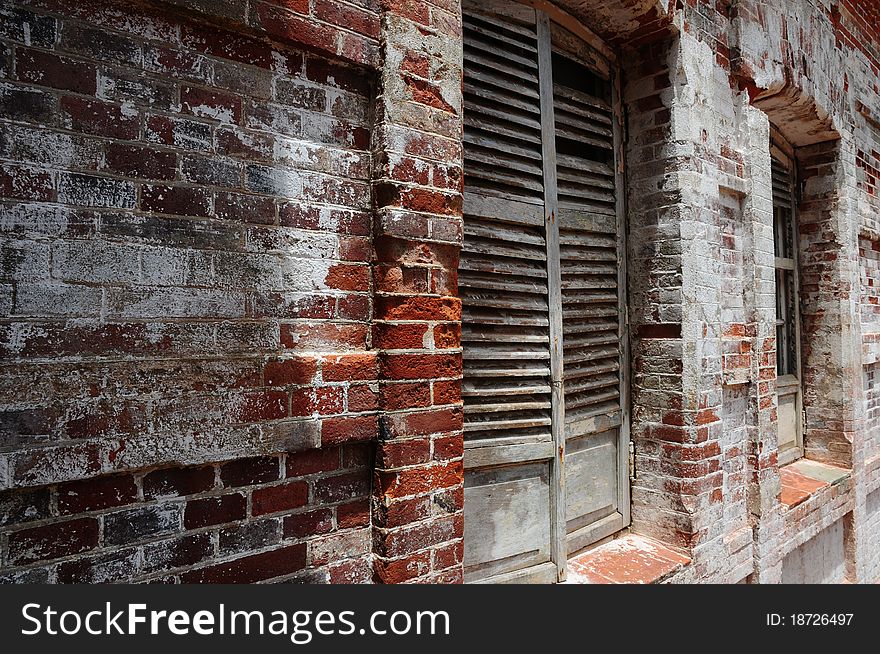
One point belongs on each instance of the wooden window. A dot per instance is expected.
(541, 278)
(788, 354)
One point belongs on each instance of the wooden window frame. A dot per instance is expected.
(789, 383)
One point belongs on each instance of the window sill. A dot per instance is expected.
(804, 478)
(630, 559)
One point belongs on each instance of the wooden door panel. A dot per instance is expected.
(507, 519)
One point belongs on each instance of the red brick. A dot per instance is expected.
(58, 72)
(353, 18)
(323, 336)
(101, 118)
(416, 63)
(53, 541)
(447, 392)
(362, 398)
(430, 422)
(140, 163)
(448, 447)
(406, 396)
(396, 512)
(335, 431)
(94, 494)
(447, 336)
(26, 183)
(400, 570)
(246, 472)
(245, 144)
(262, 405)
(171, 482)
(403, 541)
(348, 278)
(351, 571)
(310, 523)
(209, 103)
(419, 480)
(353, 307)
(420, 366)
(349, 78)
(449, 555)
(349, 367)
(250, 569)
(227, 45)
(399, 453)
(355, 248)
(418, 199)
(284, 24)
(414, 10)
(401, 279)
(184, 551)
(177, 200)
(290, 371)
(282, 497)
(214, 511)
(342, 487)
(427, 93)
(307, 463)
(245, 208)
(353, 514)
(399, 337)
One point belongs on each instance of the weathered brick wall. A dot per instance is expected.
(186, 272)
(229, 322)
(299, 517)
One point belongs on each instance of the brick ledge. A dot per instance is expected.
(804, 478)
(630, 559)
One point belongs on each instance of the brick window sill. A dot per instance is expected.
(803, 478)
(630, 559)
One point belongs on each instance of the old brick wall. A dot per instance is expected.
(204, 319)
(186, 274)
(229, 322)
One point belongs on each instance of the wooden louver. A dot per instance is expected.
(503, 270)
(540, 278)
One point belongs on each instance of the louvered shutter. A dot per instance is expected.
(539, 267)
(593, 303)
(505, 316)
(788, 384)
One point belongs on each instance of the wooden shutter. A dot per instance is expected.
(593, 302)
(788, 364)
(538, 277)
(504, 290)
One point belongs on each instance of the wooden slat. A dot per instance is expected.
(583, 110)
(500, 63)
(475, 92)
(502, 232)
(481, 40)
(503, 83)
(580, 98)
(579, 124)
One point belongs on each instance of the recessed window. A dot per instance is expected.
(788, 351)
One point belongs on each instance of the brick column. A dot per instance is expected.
(831, 340)
(674, 282)
(759, 333)
(418, 486)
